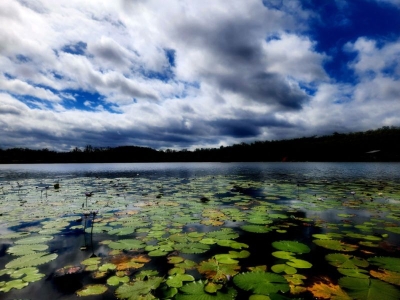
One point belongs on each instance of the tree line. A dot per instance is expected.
(382, 144)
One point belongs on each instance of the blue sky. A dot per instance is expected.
(194, 74)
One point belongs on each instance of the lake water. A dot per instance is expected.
(347, 216)
(277, 170)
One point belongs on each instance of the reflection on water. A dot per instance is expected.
(275, 170)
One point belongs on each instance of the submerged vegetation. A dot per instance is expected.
(372, 145)
(142, 238)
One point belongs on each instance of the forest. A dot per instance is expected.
(381, 144)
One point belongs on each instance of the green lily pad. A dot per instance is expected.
(283, 254)
(346, 261)
(263, 283)
(13, 284)
(116, 280)
(358, 273)
(92, 289)
(216, 271)
(291, 246)
(178, 279)
(226, 259)
(299, 263)
(138, 289)
(196, 291)
(127, 244)
(34, 240)
(91, 261)
(388, 263)
(31, 260)
(26, 249)
(369, 289)
(279, 268)
(256, 228)
(336, 245)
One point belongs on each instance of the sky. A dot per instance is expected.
(190, 74)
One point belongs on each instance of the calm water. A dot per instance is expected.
(296, 171)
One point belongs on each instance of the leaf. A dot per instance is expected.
(226, 259)
(384, 262)
(388, 276)
(216, 271)
(178, 279)
(26, 249)
(212, 287)
(92, 289)
(263, 283)
(346, 261)
(283, 254)
(328, 291)
(139, 288)
(393, 229)
(91, 261)
(34, 240)
(13, 284)
(175, 259)
(295, 279)
(232, 244)
(256, 228)
(31, 260)
(127, 244)
(336, 245)
(196, 291)
(357, 273)
(299, 263)
(279, 268)
(116, 280)
(291, 246)
(369, 289)
(192, 248)
(106, 267)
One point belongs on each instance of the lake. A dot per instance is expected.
(200, 231)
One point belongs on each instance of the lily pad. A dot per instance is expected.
(299, 263)
(116, 280)
(336, 245)
(358, 273)
(388, 263)
(388, 276)
(369, 289)
(13, 284)
(196, 291)
(92, 289)
(346, 261)
(279, 268)
(31, 260)
(256, 228)
(291, 246)
(127, 244)
(263, 283)
(178, 279)
(138, 289)
(216, 271)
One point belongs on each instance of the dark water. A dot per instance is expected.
(298, 171)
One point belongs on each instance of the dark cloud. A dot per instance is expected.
(235, 46)
(8, 109)
(109, 51)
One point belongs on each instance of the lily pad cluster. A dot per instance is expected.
(204, 237)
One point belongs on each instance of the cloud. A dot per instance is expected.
(187, 74)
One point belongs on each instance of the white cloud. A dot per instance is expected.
(229, 81)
